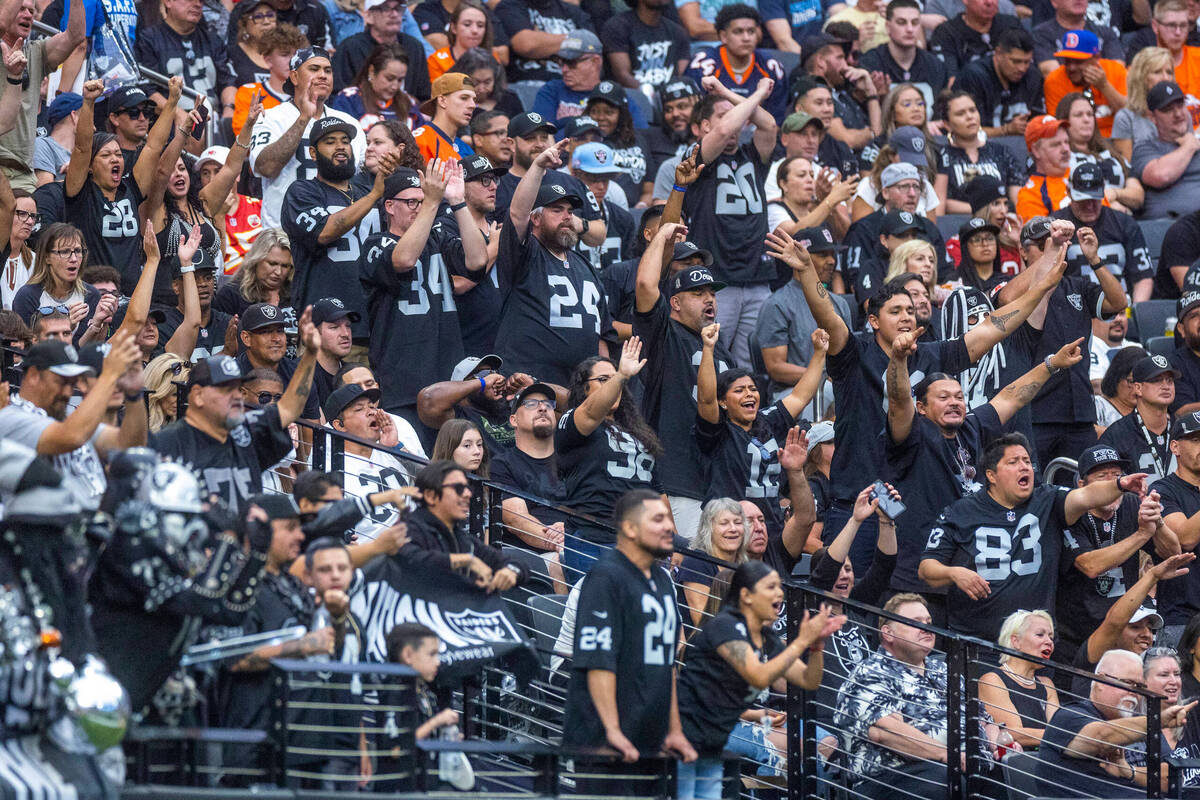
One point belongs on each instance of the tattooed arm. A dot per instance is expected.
(291, 405)
(313, 643)
(1008, 318)
(761, 674)
(1020, 393)
(790, 252)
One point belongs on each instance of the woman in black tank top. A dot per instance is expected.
(1015, 695)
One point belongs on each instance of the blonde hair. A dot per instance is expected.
(1146, 61)
(1015, 624)
(158, 377)
(247, 276)
(703, 540)
(898, 263)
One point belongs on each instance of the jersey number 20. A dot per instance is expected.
(998, 556)
(736, 191)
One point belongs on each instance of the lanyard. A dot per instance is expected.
(1158, 463)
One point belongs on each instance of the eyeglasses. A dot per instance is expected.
(390, 8)
(1131, 683)
(266, 398)
(25, 216)
(459, 488)
(61, 308)
(412, 203)
(263, 16)
(74, 252)
(485, 180)
(535, 402)
(137, 112)
(1173, 26)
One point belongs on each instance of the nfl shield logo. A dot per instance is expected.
(1012, 516)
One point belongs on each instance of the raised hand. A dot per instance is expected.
(689, 169)
(306, 103)
(77, 312)
(1088, 243)
(189, 246)
(1173, 567)
(310, 337)
(789, 251)
(794, 454)
(256, 109)
(631, 362)
(552, 157)
(1061, 231)
(1068, 355)
(1150, 513)
(455, 185)
(149, 242)
(864, 505)
(123, 353)
(820, 341)
(92, 90)
(905, 343)
(14, 58)
(174, 88)
(709, 335)
(434, 182)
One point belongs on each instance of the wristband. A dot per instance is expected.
(482, 386)
(238, 143)
(678, 188)
(454, 209)
(1053, 369)
(190, 268)
(14, 81)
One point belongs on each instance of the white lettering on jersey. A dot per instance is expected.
(999, 555)
(659, 635)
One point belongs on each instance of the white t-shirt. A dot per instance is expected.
(1101, 354)
(365, 476)
(273, 123)
(16, 275)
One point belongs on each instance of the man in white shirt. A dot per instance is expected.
(279, 152)
(1107, 338)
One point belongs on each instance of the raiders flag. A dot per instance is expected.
(473, 625)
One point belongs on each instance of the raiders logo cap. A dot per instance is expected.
(261, 315)
(331, 309)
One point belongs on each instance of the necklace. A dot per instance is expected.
(1020, 678)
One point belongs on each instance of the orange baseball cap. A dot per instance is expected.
(1042, 127)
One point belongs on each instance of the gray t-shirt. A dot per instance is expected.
(1128, 125)
(16, 146)
(952, 8)
(1180, 196)
(785, 319)
(49, 155)
(82, 470)
(664, 179)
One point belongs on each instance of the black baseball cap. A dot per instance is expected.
(478, 165)
(1151, 367)
(327, 125)
(341, 398)
(817, 42)
(56, 356)
(694, 278)
(177, 270)
(215, 371)
(127, 97)
(578, 125)
(259, 316)
(1087, 182)
(1164, 94)
(552, 192)
(1186, 302)
(1186, 425)
(982, 191)
(403, 178)
(277, 506)
(817, 240)
(92, 355)
(610, 92)
(331, 309)
(1099, 455)
(1036, 230)
(973, 226)
(688, 249)
(898, 222)
(678, 89)
(533, 388)
(529, 122)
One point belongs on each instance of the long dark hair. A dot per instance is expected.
(193, 194)
(401, 104)
(732, 376)
(1119, 367)
(622, 135)
(1187, 643)
(966, 265)
(1095, 146)
(627, 416)
(745, 576)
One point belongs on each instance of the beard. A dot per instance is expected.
(565, 238)
(331, 171)
(233, 419)
(493, 409)
(543, 430)
(1192, 340)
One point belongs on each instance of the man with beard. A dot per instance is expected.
(1107, 338)
(76, 443)
(554, 309)
(998, 550)
(328, 220)
(934, 445)
(228, 447)
(264, 343)
(531, 134)
(1186, 360)
(672, 135)
(278, 153)
(410, 298)
(857, 119)
(1142, 437)
(1084, 748)
(477, 295)
(529, 467)
(332, 320)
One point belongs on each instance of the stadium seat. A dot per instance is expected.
(638, 98)
(1019, 771)
(949, 224)
(547, 612)
(787, 61)
(1154, 230)
(526, 92)
(1150, 317)
(1015, 145)
(1160, 345)
(636, 213)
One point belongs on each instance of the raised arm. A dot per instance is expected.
(408, 250)
(339, 223)
(792, 457)
(10, 102)
(1096, 562)
(436, 402)
(790, 252)
(806, 388)
(475, 247)
(153, 207)
(147, 164)
(598, 405)
(763, 122)
(652, 265)
(1108, 635)
(730, 125)
(295, 396)
(761, 674)
(214, 194)
(138, 309)
(269, 161)
(707, 405)
(1020, 393)
(526, 192)
(183, 341)
(80, 425)
(63, 43)
(81, 153)
(1008, 318)
(1101, 493)
(901, 408)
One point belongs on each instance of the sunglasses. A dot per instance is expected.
(263, 16)
(179, 366)
(266, 398)
(137, 112)
(60, 308)
(459, 488)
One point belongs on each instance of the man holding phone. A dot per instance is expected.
(934, 443)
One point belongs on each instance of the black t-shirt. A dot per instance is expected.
(619, 281)
(836, 154)
(958, 44)
(672, 352)
(231, 469)
(857, 373)
(554, 311)
(712, 695)
(726, 215)
(628, 625)
(1143, 449)
(229, 300)
(618, 241)
(598, 468)
(997, 104)
(536, 476)
(547, 16)
(210, 340)
(112, 230)
(324, 384)
(479, 307)
(432, 18)
(1178, 599)
(286, 369)
(746, 465)
(327, 270)
(1055, 769)
(863, 245)
(199, 58)
(1187, 385)
(654, 52)
(414, 321)
(992, 159)
(1122, 248)
(1180, 246)
(927, 72)
(1083, 601)
(1015, 550)
(1067, 396)
(930, 471)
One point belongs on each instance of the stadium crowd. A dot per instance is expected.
(821, 291)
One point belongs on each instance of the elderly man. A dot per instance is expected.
(1167, 163)
(1083, 70)
(1046, 190)
(1083, 752)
